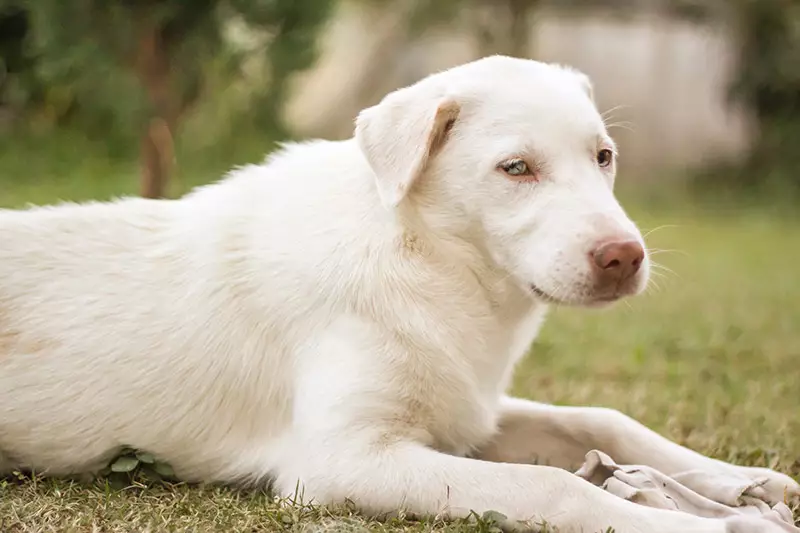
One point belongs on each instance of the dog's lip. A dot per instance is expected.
(548, 298)
(543, 295)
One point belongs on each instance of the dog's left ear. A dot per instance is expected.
(586, 83)
(401, 134)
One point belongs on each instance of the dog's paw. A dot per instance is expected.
(778, 487)
(753, 524)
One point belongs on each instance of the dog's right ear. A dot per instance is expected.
(401, 134)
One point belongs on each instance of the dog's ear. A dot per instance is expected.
(401, 134)
(586, 83)
(582, 78)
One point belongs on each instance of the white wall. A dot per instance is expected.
(669, 77)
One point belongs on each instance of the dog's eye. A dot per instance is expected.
(605, 157)
(516, 168)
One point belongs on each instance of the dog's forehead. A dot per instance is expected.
(525, 91)
(509, 75)
(500, 64)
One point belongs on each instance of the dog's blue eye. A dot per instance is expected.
(516, 167)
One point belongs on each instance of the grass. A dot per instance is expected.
(709, 357)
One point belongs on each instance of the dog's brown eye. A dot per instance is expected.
(605, 157)
(516, 168)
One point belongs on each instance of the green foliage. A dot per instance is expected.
(768, 84)
(13, 29)
(135, 466)
(428, 13)
(488, 522)
(769, 78)
(86, 55)
(293, 26)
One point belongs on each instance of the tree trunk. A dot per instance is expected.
(504, 27)
(156, 157)
(520, 31)
(153, 70)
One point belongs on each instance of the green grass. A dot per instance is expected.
(710, 357)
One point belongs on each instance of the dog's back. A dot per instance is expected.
(80, 285)
(137, 322)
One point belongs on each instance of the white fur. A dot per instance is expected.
(346, 315)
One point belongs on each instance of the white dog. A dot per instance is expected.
(347, 315)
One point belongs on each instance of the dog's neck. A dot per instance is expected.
(516, 315)
(460, 241)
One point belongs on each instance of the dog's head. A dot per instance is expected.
(514, 154)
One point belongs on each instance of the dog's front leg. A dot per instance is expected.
(531, 432)
(364, 419)
(383, 473)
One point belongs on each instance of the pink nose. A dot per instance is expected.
(618, 260)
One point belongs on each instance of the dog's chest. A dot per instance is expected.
(463, 411)
(463, 423)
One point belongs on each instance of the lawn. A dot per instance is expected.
(710, 357)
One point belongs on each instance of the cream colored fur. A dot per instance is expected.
(346, 315)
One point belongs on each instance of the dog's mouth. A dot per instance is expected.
(544, 296)
(594, 301)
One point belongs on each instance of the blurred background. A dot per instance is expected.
(102, 98)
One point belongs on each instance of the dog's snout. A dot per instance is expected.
(618, 260)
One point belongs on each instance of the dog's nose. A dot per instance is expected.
(618, 260)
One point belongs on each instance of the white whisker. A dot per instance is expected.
(622, 125)
(658, 228)
(605, 114)
(656, 251)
